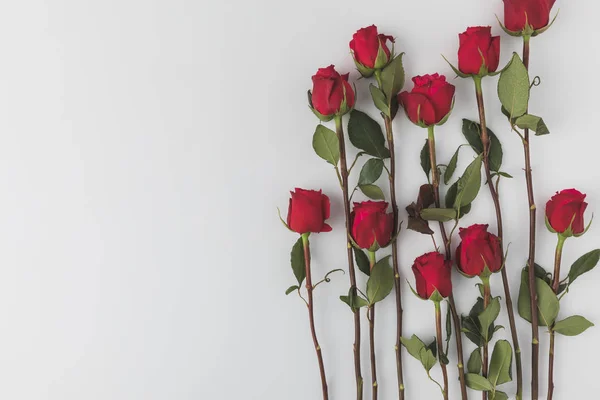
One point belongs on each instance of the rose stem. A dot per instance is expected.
(435, 179)
(311, 316)
(399, 311)
(535, 342)
(486, 303)
(371, 312)
(555, 285)
(438, 330)
(352, 272)
(495, 197)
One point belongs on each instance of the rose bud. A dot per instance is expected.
(370, 50)
(477, 250)
(433, 272)
(308, 211)
(332, 94)
(430, 101)
(521, 15)
(371, 226)
(564, 212)
(479, 51)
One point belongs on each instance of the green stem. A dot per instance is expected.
(371, 311)
(486, 302)
(555, 285)
(440, 346)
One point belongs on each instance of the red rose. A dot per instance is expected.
(565, 209)
(366, 44)
(371, 226)
(430, 101)
(520, 13)
(477, 249)
(308, 211)
(478, 48)
(331, 94)
(433, 272)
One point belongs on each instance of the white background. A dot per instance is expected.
(145, 147)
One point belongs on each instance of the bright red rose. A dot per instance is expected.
(308, 211)
(331, 94)
(519, 13)
(433, 272)
(565, 209)
(477, 249)
(430, 101)
(478, 48)
(371, 227)
(365, 46)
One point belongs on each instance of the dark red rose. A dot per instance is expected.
(565, 209)
(331, 94)
(433, 272)
(478, 48)
(371, 226)
(520, 13)
(308, 211)
(365, 46)
(477, 249)
(430, 101)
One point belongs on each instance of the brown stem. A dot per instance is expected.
(371, 315)
(395, 255)
(486, 303)
(440, 346)
(435, 179)
(535, 341)
(496, 200)
(555, 286)
(351, 270)
(311, 315)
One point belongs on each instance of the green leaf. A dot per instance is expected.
(469, 184)
(381, 281)
(438, 214)
(291, 289)
(372, 191)
(548, 304)
(354, 301)
(478, 382)
(498, 395)
(472, 132)
(533, 123)
(572, 326)
(451, 198)
(584, 264)
(425, 162)
(392, 77)
(427, 358)
(451, 167)
(413, 346)
(371, 171)
(362, 261)
(474, 363)
(501, 364)
(298, 262)
(379, 100)
(488, 316)
(366, 134)
(326, 145)
(513, 87)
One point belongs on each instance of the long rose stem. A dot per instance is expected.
(496, 200)
(351, 270)
(435, 179)
(535, 340)
(371, 312)
(440, 346)
(555, 286)
(311, 315)
(486, 303)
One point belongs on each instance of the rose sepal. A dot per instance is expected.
(445, 119)
(456, 70)
(364, 71)
(324, 118)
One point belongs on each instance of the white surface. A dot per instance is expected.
(145, 148)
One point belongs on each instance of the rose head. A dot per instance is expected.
(430, 101)
(479, 51)
(370, 50)
(332, 94)
(478, 249)
(308, 211)
(565, 210)
(519, 14)
(371, 226)
(433, 272)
